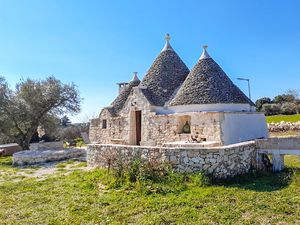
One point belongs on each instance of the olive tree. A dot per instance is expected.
(260, 102)
(271, 109)
(24, 109)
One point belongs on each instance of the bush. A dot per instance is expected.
(79, 141)
(201, 179)
(271, 109)
(73, 132)
(288, 108)
(280, 99)
(260, 102)
(151, 176)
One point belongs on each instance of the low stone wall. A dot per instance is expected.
(221, 162)
(284, 126)
(46, 145)
(9, 149)
(30, 157)
(282, 143)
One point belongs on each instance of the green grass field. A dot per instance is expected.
(81, 197)
(286, 118)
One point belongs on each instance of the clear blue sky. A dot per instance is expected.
(96, 44)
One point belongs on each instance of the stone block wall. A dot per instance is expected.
(221, 162)
(168, 128)
(156, 129)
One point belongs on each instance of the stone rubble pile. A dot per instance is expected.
(284, 126)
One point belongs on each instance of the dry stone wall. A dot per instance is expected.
(156, 129)
(284, 126)
(221, 162)
(168, 128)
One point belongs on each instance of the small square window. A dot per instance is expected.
(104, 124)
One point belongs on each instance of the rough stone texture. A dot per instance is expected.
(30, 157)
(118, 104)
(46, 145)
(205, 84)
(282, 143)
(164, 77)
(284, 126)
(156, 129)
(221, 162)
(9, 149)
(208, 84)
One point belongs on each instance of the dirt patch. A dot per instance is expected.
(42, 171)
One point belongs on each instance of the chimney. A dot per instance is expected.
(121, 86)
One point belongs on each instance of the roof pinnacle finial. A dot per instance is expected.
(204, 54)
(167, 45)
(135, 77)
(168, 37)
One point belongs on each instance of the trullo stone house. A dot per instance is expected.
(174, 104)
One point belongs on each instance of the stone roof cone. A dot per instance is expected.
(118, 104)
(165, 75)
(207, 83)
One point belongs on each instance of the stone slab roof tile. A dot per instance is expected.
(165, 75)
(207, 83)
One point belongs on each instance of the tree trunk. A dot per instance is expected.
(24, 141)
(25, 144)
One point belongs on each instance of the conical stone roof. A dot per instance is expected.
(118, 104)
(165, 75)
(207, 83)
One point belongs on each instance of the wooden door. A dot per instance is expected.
(138, 126)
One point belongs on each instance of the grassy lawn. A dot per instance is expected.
(286, 118)
(81, 197)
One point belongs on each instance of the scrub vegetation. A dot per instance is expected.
(96, 197)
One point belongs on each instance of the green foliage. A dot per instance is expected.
(153, 177)
(31, 104)
(288, 108)
(49, 128)
(81, 197)
(271, 109)
(280, 99)
(74, 131)
(65, 121)
(79, 142)
(260, 102)
(201, 179)
(286, 104)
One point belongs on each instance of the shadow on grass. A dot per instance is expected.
(6, 160)
(262, 181)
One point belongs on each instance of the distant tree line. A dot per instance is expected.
(285, 104)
